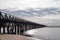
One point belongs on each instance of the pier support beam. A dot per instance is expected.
(0, 29)
(4, 30)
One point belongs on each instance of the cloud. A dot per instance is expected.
(52, 17)
(23, 4)
(38, 12)
(56, 0)
(48, 16)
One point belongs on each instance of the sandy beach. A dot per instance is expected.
(13, 37)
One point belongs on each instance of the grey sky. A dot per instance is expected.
(22, 4)
(26, 5)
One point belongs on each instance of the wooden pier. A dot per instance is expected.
(12, 25)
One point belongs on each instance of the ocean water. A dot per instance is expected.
(46, 33)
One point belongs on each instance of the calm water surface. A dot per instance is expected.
(47, 33)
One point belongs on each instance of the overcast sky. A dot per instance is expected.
(35, 4)
(22, 4)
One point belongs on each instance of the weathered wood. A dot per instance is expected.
(19, 25)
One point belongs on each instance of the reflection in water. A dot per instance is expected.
(45, 33)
